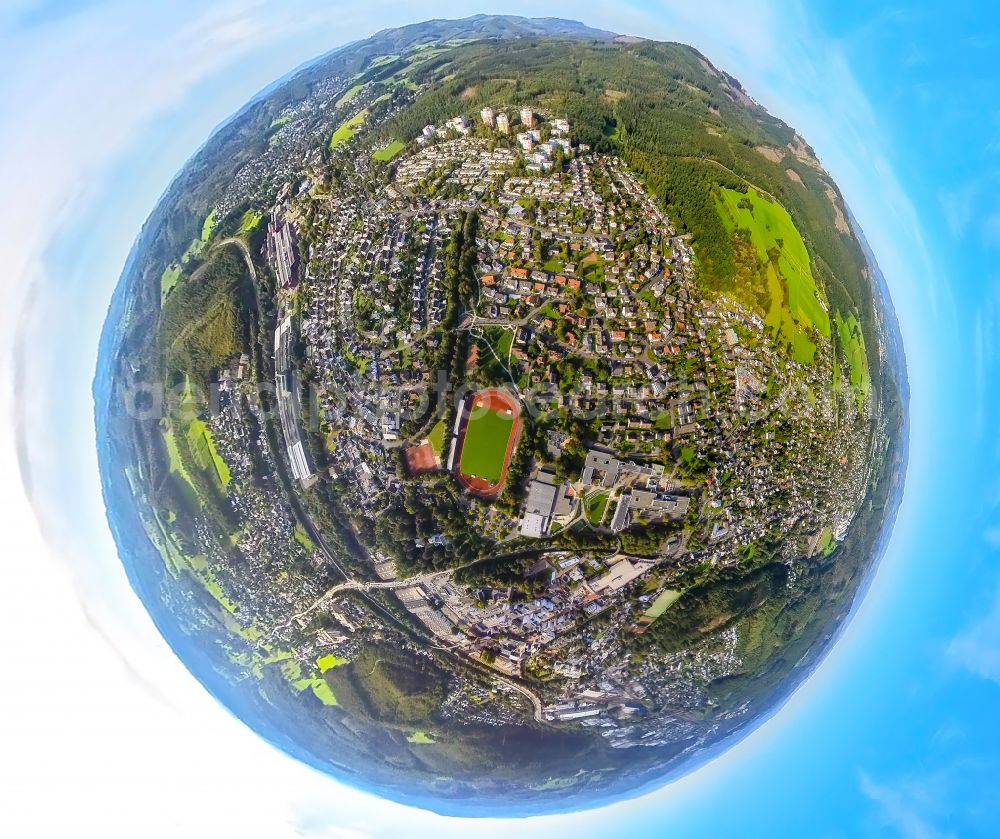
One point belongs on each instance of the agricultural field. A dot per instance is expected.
(485, 446)
(176, 464)
(206, 455)
(795, 303)
(852, 343)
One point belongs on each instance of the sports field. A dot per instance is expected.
(484, 452)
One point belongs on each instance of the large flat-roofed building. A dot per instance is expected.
(606, 470)
(652, 505)
(600, 468)
(547, 499)
(620, 575)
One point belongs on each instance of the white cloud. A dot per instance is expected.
(958, 204)
(901, 808)
(977, 648)
(991, 229)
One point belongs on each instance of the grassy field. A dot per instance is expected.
(202, 444)
(594, 506)
(300, 536)
(504, 345)
(250, 222)
(390, 151)
(171, 276)
(827, 544)
(348, 129)
(382, 60)
(436, 438)
(662, 603)
(485, 446)
(350, 94)
(208, 227)
(328, 662)
(176, 464)
(292, 672)
(852, 342)
(420, 738)
(795, 305)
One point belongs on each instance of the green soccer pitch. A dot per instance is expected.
(485, 447)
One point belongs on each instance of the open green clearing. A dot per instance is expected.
(485, 446)
(328, 662)
(321, 690)
(420, 738)
(827, 544)
(852, 342)
(300, 536)
(171, 276)
(390, 151)
(208, 227)
(795, 304)
(436, 438)
(292, 671)
(176, 463)
(382, 60)
(594, 506)
(250, 222)
(662, 603)
(348, 129)
(206, 455)
(350, 94)
(504, 345)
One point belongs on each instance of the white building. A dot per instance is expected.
(489, 118)
(503, 123)
(528, 117)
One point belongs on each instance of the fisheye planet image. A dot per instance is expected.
(502, 416)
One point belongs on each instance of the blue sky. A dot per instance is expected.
(898, 733)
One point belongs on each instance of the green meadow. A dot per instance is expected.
(852, 344)
(436, 437)
(390, 151)
(348, 129)
(796, 306)
(350, 94)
